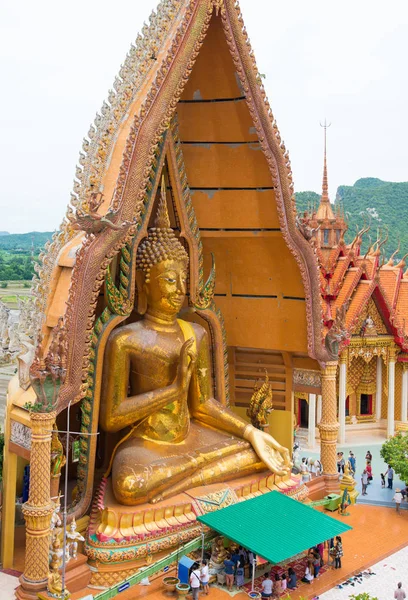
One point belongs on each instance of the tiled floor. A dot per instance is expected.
(8, 584)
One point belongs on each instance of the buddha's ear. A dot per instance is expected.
(141, 293)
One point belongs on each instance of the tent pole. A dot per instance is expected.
(253, 573)
(202, 545)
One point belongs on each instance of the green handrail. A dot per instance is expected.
(113, 591)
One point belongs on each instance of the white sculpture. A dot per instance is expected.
(74, 536)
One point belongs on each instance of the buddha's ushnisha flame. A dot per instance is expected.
(161, 243)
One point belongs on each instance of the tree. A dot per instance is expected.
(395, 453)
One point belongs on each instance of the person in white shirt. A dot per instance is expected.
(267, 586)
(308, 577)
(397, 499)
(195, 580)
(205, 577)
(399, 593)
(304, 470)
(364, 482)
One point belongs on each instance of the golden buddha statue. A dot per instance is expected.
(157, 381)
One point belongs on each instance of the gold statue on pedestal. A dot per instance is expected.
(157, 381)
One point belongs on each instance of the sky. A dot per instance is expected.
(343, 61)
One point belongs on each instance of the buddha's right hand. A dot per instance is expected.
(186, 365)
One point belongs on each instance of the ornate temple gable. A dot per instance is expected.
(114, 211)
(131, 163)
(370, 311)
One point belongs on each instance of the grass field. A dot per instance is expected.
(9, 294)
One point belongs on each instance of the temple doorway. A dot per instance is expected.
(366, 404)
(303, 413)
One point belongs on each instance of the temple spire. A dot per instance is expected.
(325, 186)
(325, 210)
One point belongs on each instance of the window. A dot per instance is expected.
(366, 404)
(326, 236)
(348, 406)
(338, 232)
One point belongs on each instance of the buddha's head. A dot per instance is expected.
(161, 267)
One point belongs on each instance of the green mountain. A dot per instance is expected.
(306, 201)
(22, 243)
(384, 204)
(17, 251)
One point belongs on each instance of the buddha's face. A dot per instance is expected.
(166, 289)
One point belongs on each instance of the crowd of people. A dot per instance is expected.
(367, 476)
(239, 563)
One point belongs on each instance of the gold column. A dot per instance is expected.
(38, 509)
(329, 425)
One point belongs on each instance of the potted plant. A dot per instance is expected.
(182, 589)
(170, 583)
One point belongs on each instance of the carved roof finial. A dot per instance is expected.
(390, 263)
(162, 220)
(380, 243)
(402, 263)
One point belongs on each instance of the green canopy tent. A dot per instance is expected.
(274, 526)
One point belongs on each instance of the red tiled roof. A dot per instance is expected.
(402, 304)
(389, 279)
(339, 271)
(350, 281)
(355, 278)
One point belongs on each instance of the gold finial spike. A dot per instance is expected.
(390, 263)
(325, 185)
(162, 220)
(402, 263)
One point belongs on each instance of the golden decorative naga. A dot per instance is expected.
(58, 459)
(157, 381)
(261, 404)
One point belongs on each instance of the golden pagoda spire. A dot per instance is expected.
(325, 210)
(325, 186)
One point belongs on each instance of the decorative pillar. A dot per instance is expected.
(319, 409)
(404, 393)
(328, 425)
(311, 432)
(391, 393)
(378, 390)
(342, 398)
(38, 509)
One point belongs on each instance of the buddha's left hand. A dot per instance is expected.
(275, 456)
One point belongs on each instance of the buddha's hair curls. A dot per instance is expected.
(161, 243)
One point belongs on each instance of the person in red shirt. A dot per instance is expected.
(369, 471)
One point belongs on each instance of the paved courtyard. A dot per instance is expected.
(376, 494)
(388, 573)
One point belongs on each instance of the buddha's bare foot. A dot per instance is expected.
(157, 499)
